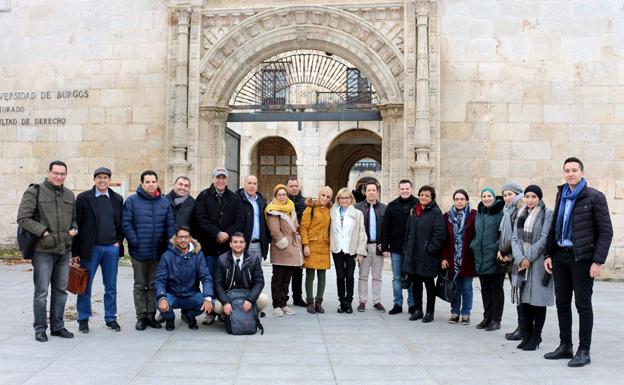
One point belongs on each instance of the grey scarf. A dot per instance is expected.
(179, 200)
(506, 225)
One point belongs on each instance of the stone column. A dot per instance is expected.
(211, 151)
(392, 154)
(422, 166)
(179, 135)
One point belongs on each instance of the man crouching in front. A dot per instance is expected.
(180, 267)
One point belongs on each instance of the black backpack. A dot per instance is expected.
(239, 322)
(27, 241)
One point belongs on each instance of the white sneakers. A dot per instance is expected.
(288, 311)
(279, 312)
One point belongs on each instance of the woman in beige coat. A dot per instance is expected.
(348, 245)
(314, 232)
(285, 248)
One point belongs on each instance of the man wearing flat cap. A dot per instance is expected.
(218, 214)
(100, 244)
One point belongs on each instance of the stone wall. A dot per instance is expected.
(526, 84)
(116, 51)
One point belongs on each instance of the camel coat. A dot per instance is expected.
(315, 234)
(285, 241)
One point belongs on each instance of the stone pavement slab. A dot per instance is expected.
(362, 348)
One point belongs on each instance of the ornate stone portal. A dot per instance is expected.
(392, 42)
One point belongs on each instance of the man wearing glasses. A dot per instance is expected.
(47, 211)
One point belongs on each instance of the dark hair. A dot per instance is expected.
(463, 192)
(371, 182)
(237, 234)
(182, 228)
(402, 181)
(428, 188)
(148, 172)
(186, 178)
(291, 177)
(57, 163)
(575, 160)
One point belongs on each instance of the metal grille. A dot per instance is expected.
(303, 78)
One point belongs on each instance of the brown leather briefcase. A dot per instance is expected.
(78, 279)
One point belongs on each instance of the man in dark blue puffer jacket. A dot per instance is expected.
(148, 224)
(180, 267)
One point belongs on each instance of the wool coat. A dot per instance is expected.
(285, 241)
(87, 221)
(182, 213)
(485, 243)
(424, 235)
(314, 230)
(534, 293)
(467, 268)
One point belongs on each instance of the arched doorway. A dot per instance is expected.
(346, 151)
(272, 160)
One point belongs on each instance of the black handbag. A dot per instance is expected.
(406, 281)
(26, 241)
(446, 289)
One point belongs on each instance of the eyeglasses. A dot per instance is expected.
(344, 198)
(182, 237)
(59, 174)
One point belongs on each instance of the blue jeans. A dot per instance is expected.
(464, 297)
(106, 256)
(191, 306)
(50, 270)
(397, 263)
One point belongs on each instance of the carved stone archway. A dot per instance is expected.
(396, 45)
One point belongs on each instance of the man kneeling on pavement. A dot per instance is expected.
(180, 267)
(236, 269)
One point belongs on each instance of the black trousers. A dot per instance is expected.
(297, 282)
(279, 284)
(345, 268)
(493, 296)
(417, 289)
(534, 318)
(573, 277)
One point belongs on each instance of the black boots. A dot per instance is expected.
(310, 307)
(533, 342)
(562, 351)
(516, 335)
(318, 306)
(580, 359)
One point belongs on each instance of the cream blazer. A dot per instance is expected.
(352, 229)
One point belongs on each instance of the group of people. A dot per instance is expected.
(186, 251)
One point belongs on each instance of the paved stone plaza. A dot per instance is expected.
(363, 348)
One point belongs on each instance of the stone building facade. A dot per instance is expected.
(470, 93)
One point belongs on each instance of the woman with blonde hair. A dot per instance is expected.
(285, 248)
(348, 245)
(314, 230)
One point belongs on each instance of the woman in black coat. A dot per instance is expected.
(424, 236)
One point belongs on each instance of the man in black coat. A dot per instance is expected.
(392, 235)
(99, 243)
(238, 269)
(182, 202)
(578, 244)
(254, 227)
(294, 194)
(218, 214)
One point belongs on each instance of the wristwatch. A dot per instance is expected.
(209, 299)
